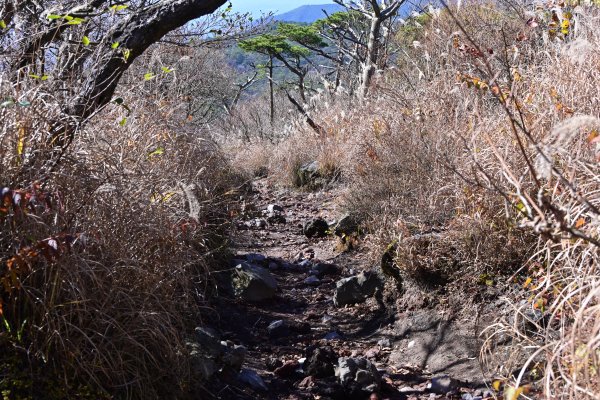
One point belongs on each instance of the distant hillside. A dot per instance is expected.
(309, 13)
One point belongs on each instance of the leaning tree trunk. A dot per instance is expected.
(107, 63)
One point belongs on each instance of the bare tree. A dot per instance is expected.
(78, 52)
(377, 12)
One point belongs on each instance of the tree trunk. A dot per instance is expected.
(370, 63)
(271, 90)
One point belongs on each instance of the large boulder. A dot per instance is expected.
(356, 289)
(253, 283)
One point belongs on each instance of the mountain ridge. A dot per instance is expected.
(308, 13)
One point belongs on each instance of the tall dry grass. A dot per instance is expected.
(105, 257)
(485, 132)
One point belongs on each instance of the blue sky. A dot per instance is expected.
(277, 6)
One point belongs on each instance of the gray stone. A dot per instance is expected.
(321, 362)
(253, 283)
(333, 336)
(346, 226)
(208, 342)
(252, 379)
(443, 385)
(255, 258)
(385, 342)
(356, 289)
(203, 368)
(235, 357)
(359, 371)
(308, 174)
(274, 209)
(305, 264)
(312, 281)
(278, 329)
(322, 269)
(316, 228)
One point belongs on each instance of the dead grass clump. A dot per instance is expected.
(106, 256)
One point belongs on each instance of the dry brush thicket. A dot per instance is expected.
(482, 137)
(105, 256)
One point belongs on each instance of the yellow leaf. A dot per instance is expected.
(512, 393)
(496, 385)
(527, 282)
(21, 141)
(580, 222)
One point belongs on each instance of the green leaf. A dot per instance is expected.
(123, 121)
(148, 76)
(34, 76)
(167, 70)
(44, 77)
(85, 40)
(117, 8)
(114, 45)
(2, 24)
(54, 16)
(68, 18)
(157, 152)
(119, 100)
(7, 103)
(75, 21)
(126, 54)
(24, 103)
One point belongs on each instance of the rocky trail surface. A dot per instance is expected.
(309, 318)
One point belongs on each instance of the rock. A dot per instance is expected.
(252, 379)
(273, 363)
(278, 329)
(307, 383)
(385, 343)
(304, 264)
(346, 226)
(443, 385)
(256, 223)
(208, 342)
(356, 289)
(333, 336)
(316, 228)
(253, 283)
(321, 269)
(287, 369)
(358, 372)
(274, 208)
(308, 174)
(235, 357)
(273, 266)
(255, 258)
(203, 368)
(373, 352)
(312, 281)
(321, 362)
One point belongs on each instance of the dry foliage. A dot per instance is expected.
(482, 139)
(105, 258)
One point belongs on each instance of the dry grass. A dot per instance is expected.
(485, 134)
(111, 260)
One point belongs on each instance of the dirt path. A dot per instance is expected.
(407, 347)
